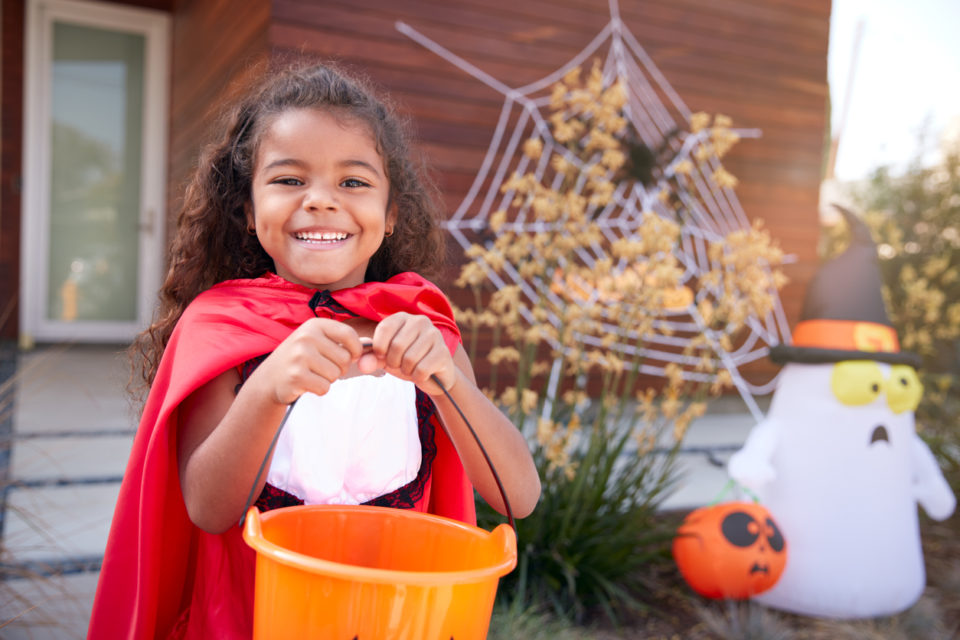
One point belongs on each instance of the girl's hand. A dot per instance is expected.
(410, 347)
(311, 358)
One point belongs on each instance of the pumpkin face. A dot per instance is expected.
(733, 550)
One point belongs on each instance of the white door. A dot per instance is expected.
(94, 170)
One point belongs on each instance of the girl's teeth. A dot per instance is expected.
(322, 237)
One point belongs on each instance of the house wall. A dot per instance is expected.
(11, 150)
(762, 63)
(215, 45)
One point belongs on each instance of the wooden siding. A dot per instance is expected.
(762, 63)
(215, 44)
(11, 135)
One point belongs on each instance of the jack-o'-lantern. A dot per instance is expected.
(732, 550)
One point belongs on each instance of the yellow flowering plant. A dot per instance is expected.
(607, 345)
(915, 220)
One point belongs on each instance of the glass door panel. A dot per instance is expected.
(96, 139)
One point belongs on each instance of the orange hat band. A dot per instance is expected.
(846, 335)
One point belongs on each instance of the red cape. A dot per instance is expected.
(157, 563)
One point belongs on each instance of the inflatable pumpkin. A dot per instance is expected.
(732, 550)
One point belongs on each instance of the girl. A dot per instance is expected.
(296, 246)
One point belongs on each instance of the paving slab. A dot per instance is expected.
(77, 457)
(72, 389)
(50, 608)
(58, 523)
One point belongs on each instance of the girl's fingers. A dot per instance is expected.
(368, 363)
(411, 347)
(328, 370)
(395, 336)
(406, 345)
(318, 353)
(414, 359)
(330, 334)
(442, 365)
(436, 361)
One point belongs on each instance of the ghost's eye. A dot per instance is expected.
(856, 382)
(904, 389)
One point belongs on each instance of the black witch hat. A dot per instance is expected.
(844, 316)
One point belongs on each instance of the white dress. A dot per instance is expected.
(357, 442)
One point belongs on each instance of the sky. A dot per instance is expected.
(906, 74)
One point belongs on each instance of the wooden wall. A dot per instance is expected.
(762, 62)
(11, 152)
(215, 44)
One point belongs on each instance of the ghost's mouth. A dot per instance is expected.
(880, 433)
(759, 568)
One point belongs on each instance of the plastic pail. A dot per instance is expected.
(374, 573)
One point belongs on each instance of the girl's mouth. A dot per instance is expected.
(321, 237)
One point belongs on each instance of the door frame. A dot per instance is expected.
(35, 220)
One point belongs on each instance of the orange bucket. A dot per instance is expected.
(374, 573)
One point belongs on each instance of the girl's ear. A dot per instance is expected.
(391, 221)
(248, 212)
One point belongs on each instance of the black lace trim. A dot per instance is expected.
(274, 498)
(247, 368)
(409, 494)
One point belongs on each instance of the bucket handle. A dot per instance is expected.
(493, 471)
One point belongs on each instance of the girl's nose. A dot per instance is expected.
(320, 197)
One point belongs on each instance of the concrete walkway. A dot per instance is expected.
(70, 431)
(69, 427)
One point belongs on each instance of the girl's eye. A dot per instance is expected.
(856, 382)
(294, 182)
(904, 389)
(354, 183)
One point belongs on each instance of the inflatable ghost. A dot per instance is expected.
(837, 461)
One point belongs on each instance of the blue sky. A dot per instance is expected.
(907, 73)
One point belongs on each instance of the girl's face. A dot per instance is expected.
(319, 198)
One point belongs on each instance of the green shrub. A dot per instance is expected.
(915, 219)
(576, 349)
(594, 530)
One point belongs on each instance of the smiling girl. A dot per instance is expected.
(305, 235)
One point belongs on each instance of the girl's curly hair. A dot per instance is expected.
(212, 243)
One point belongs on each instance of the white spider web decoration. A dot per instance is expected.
(659, 119)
